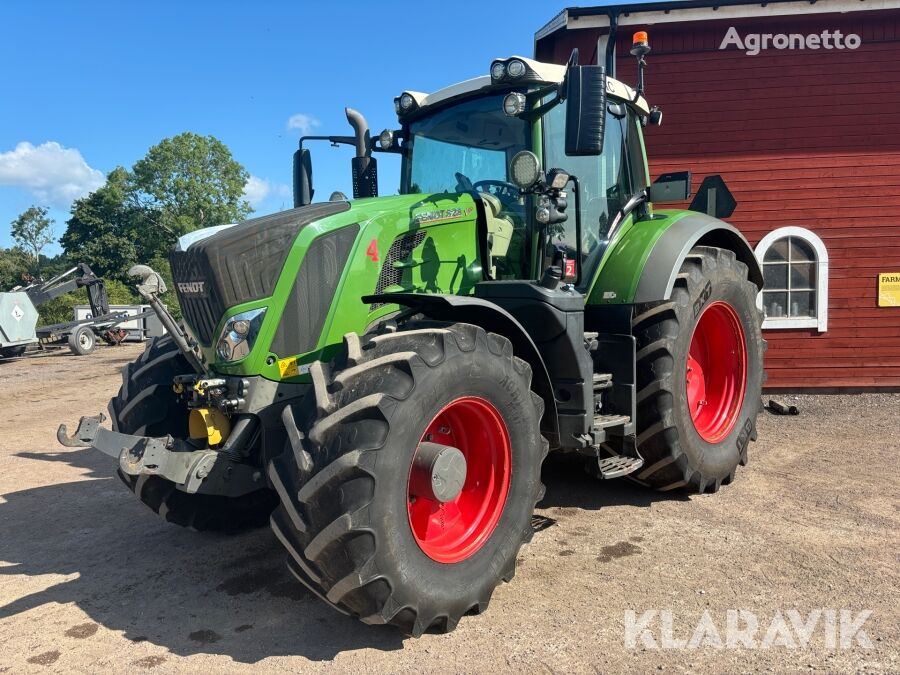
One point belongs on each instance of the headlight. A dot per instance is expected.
(239, 334)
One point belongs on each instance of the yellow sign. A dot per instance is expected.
(889, 289)
(288, 367)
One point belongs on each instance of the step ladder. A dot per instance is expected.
(606, 424)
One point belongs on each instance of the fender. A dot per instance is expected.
(670, 250)
(467, 309)
(643, 263)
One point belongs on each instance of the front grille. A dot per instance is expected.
(239, 264)
(200, 311)
(400, 251)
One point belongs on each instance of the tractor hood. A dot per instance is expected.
(238, 264)
(310, 266)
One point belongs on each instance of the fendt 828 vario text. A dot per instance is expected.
(381, 378)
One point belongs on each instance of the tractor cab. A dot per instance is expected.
(501, 136)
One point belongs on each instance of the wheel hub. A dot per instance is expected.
(459, 479)
(438, 472)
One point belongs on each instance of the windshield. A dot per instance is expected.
(466, 146)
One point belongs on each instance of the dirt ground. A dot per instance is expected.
(91, 580)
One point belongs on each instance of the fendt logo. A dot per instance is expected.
(191, 287)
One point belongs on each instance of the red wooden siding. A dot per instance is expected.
(805, 138)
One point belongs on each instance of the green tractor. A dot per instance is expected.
(382, 378)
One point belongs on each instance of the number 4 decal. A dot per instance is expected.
(372, 251)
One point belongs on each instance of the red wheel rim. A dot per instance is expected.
(449, 532)
(716, 372)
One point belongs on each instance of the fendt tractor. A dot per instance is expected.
(380, 378)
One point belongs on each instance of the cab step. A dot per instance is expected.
(620, 465)
(607, 421)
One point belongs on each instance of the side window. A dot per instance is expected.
(795, 272)
(604, 181)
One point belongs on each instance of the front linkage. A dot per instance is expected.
(210, 460)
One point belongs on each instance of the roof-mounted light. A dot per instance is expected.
(516, 68)
(640, 44)
(386, 139)
(498, 70)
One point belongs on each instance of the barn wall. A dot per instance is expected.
(805, 138)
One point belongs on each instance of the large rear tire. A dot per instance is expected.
(700, 375)
(146, 405)
(353, 517)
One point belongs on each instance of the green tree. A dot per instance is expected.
(106, 228)
(32, 230)
(13, 267)
(190, 181)
(183, 183)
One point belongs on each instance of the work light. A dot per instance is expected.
(514, 104)
(498, 70)
(386, 139)
(515, 68)
(525, 169)
(407, 102)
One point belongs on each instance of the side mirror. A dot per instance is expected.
(303, 182)
(585, 109)
(670, 187)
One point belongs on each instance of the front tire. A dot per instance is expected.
(700, 375)
(146, 405)
(359, 532)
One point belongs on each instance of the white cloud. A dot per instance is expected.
(303, 123)
(257, 190)
(52, 173)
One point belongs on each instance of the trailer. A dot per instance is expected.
(19, 315)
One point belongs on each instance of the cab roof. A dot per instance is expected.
(537, 72)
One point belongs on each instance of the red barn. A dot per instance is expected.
(797, 106)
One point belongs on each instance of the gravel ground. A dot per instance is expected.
(91, 580)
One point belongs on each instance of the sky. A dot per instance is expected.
(86, 87)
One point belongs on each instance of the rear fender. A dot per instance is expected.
(644, 261)
(495, 319)
(697, 229)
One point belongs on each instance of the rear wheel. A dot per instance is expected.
(700, 375)
(409, 498)
(147, 406)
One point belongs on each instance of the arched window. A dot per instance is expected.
(795, 270)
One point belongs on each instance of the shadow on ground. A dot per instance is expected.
(197, 593)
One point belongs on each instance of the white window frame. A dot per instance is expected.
(820, 321)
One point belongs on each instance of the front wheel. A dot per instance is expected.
(409, 498)
(700, 375)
